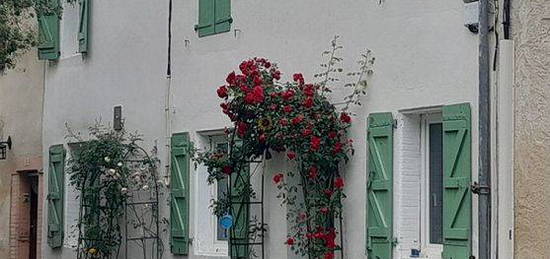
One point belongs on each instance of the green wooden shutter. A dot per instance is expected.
(380, 186)
(56, 190)
(223, 16)
(83, 26)
(179, 194)
(240, 211)
(48, 33)
(214, 17)
(457, 199)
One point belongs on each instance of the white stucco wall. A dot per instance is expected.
(424, 57)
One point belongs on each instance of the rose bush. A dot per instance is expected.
(298, 119)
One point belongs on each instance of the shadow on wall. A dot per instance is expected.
(1, 127)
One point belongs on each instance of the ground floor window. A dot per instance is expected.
(432, 198)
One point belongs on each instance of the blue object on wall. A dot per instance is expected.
(226, 221)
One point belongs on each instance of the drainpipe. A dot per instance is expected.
(506, 19)
(484, 134)
(168, 93)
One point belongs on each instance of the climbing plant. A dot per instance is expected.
(109, 169)
(18, 30)
(296, 118)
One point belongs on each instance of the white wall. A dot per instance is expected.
(424, 57)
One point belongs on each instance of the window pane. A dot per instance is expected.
(436, 183)
(221, 192)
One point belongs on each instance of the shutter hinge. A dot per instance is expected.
(472, 257)
(394, 241)
(394, 124)
(478, 189)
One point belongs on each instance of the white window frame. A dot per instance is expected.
(428, 249)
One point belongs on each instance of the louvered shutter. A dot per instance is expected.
(380, 186)
(56, 190)
(214, 17)
(179, 194)
(240, 210)
(48, 33)
(83, 26)
(457, 198)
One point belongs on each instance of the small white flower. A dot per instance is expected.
(119, 164)
(123, 189)
(107, 159)
(112, 171)
(145, 187)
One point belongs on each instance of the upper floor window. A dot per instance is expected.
(214, 17)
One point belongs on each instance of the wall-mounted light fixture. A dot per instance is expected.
(118, 124)
(4, 145)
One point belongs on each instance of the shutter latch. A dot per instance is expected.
(394, 241)
(480, 189)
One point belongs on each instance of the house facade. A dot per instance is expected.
(416, 134)
(22, 177)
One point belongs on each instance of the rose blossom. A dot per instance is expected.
(287, 109)
(345, 118)
(315, 143)
(288, 94)
(242, 127)
(227, 170)
(231, 78)
(222, 91)
(291, 155)
(290, 241)
(306, 132)
(278, 178)
(337, 148)
(309, 90)
(339, 183)
(298, 119)
(299, 78)
(308, 102)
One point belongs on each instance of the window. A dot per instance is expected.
(214, 17)
(433, 155)
(436, 182)
(432, 190)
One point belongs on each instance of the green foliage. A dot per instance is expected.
(109, 169)
(18, 30)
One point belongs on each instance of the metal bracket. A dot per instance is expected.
(478, 189)
(394, 241)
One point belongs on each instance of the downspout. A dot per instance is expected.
(484, 213)
(168, 93)
(506, 19)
